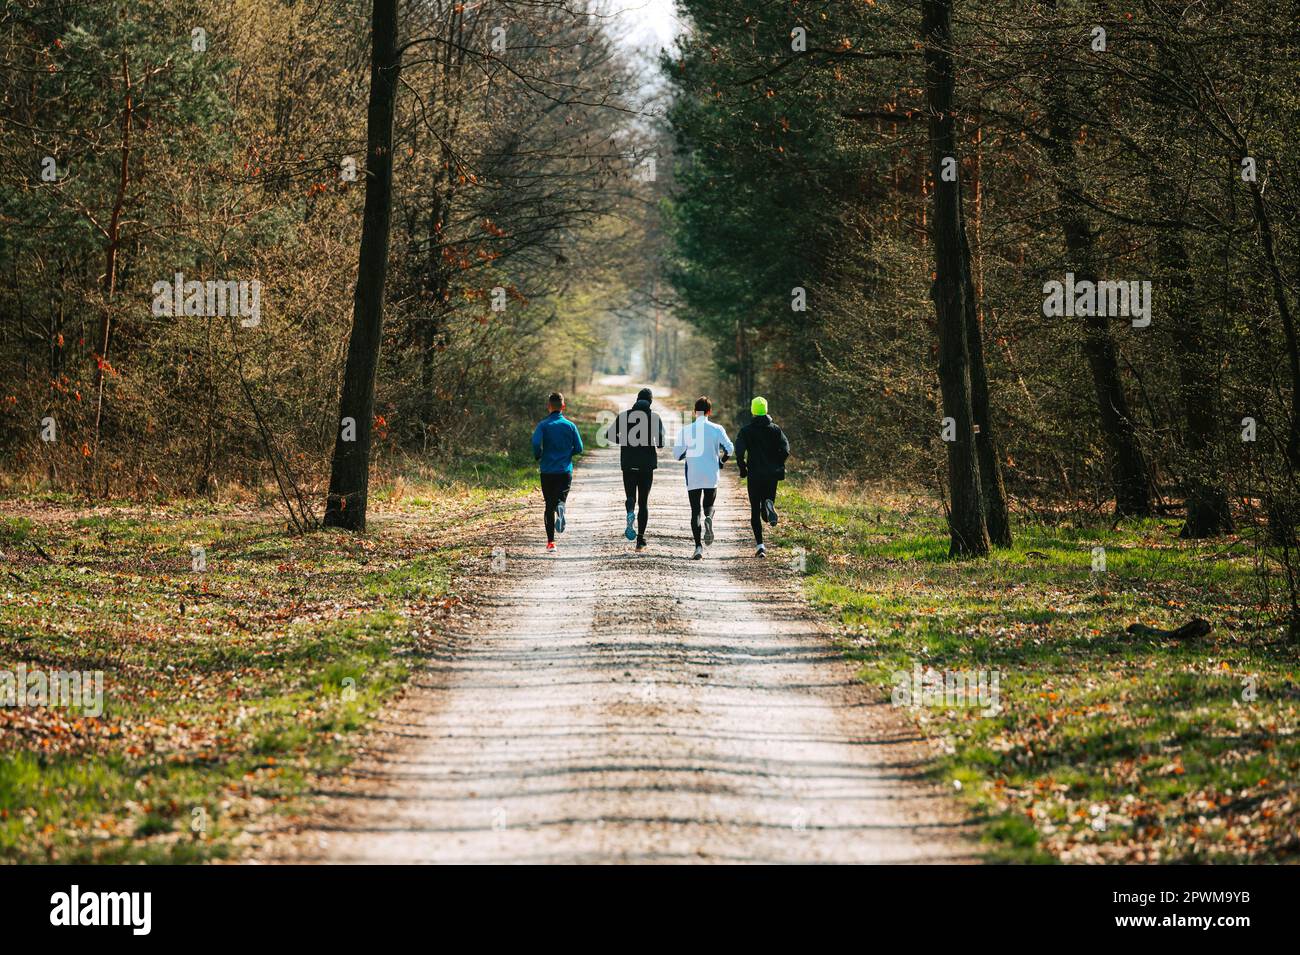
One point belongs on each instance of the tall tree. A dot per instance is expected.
(1130, 473)
(968, 531)
(996, 514)
(350, 468)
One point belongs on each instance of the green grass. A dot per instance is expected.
(1108, 747)
(227, 691)
(494, 470)
(14, 531)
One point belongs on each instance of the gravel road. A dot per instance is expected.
(608, 706)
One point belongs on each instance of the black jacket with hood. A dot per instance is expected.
(761, 449)
(638, 432)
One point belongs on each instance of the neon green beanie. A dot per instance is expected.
(758, 407)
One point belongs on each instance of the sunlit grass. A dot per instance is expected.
(1183, 751)
(227, 690)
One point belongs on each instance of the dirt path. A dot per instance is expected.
(616, 707)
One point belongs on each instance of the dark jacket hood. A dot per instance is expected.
(641, 405)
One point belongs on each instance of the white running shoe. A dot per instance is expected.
(761, 552)
(708, 530)
(559, 518)
(699, 553)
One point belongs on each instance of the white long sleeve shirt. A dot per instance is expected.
(699, 443)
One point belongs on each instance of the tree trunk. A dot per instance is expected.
(966, 523)
(994, 490)
(1130, 476)
(435, 306)
(996, 515)
(350, 468)
(1208, 513)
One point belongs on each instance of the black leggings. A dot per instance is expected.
(760, 490)
(700, 497)
(555, 488)
(636, 490)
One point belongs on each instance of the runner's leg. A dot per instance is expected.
(756, 490)
(768, 488)
(643, 501)
(551, 496)
(562, 485)
(695, 496)
(629, 489)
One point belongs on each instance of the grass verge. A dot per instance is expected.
(1104, 746)
(226, 688)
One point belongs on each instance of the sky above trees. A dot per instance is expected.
(646, 23)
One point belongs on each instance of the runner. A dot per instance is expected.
(761, 450)
(555, 441)
(638, 432)
(699, 443)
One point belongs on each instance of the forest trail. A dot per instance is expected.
(608, 706)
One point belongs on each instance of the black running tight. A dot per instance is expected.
(701, 497)
(636, 489)
(555, 488)
(760, 490)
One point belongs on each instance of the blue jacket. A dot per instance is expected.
(555, 442)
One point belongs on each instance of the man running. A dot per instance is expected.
(699, 443)
(761, 450)
(638, 432)
(555, 441)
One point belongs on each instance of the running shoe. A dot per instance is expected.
(630, 533)
(769, 511)
(761, 552)
(559, 518)
(708, 529)
(699, 553)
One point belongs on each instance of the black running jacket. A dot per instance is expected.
(761, 449)
(638, 432)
